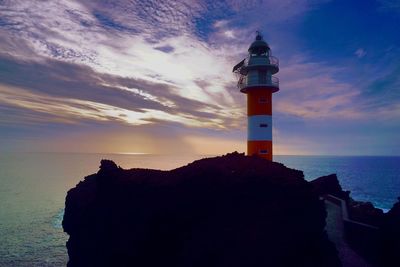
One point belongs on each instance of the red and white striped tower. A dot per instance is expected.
(256, 80)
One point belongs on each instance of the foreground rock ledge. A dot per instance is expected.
(231, 211)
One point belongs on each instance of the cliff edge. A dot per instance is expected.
(231, 211)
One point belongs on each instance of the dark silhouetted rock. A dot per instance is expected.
(225, 211)
(391, 237)
(365, 212)
(107, 165)
(330, 185)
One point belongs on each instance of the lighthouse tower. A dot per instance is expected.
(255, 79)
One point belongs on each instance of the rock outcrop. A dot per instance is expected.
(360, 211)
(391, 237)
(384, 250)
(231, 211)
(365, 212)
(329, 184)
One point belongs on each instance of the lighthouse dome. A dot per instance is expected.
(259, 46)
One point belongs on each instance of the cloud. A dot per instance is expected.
(389, 5)
(360, 53)
(69, 38)
(380, 95)
(133, 66)
(111, 96)
(145, 45)
(309, 90)
(179, 77)
(157, 63)
(68, 110)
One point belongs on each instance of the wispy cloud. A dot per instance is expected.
(167, 62)
(310, 90)
(390, 5)
(122, 40)
(109, 96)
(75, 34)
(360, 53)
(73, 110)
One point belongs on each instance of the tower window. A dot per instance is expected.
(262, 100)
(263, 151)
(263, 125)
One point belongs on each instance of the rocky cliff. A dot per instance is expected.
(391, 237)
(384, 251)
(329, 184)
(231, 211)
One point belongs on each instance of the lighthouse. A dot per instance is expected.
(256, 80)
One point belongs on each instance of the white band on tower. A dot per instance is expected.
(259, 128)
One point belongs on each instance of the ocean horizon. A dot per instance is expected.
(33, 187)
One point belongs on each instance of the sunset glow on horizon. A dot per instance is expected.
(155, 77)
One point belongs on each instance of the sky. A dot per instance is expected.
(118, 76)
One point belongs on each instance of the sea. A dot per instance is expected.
(33, 187)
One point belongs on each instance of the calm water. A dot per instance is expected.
(33, 189)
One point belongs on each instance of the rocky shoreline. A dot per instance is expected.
(231, 210)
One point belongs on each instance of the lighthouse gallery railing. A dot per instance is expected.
(244, 82)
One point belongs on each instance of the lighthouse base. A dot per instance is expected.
(262, 149)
